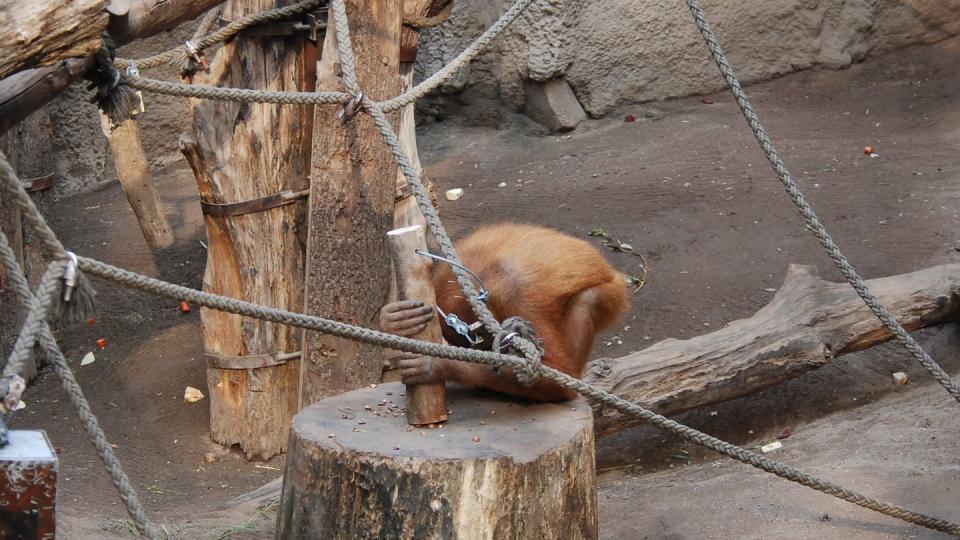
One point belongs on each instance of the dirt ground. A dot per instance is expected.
(687, 186)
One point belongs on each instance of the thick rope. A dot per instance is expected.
(809, 215)
(317, 98)
(55, 357)
(82, 303)
(176, 55)
(188, 65)
(374, 337)
(529, 365)
(235, 94)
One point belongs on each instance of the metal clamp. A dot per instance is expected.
(312, 24)
(351, 109)
(70, 276)
(248, 361)
(460, 327)
(254, 205)
(196, 55)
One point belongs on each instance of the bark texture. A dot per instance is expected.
(351, 208)
(131, 163)
(36, 34)
(527, 471)
(808, 323)
(244, 152)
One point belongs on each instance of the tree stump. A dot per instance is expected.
(499, 468)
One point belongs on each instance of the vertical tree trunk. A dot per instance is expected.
(245, 152)
(351, 208)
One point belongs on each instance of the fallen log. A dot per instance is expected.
(808, 323)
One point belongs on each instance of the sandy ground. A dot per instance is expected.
(686, 185)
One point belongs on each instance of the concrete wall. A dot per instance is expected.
(616, 51)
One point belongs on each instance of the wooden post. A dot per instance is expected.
(351, 208)
(426, 403)
(499, 468)
(406, 210)
(131, 163)
(11, 226)
(245, 152)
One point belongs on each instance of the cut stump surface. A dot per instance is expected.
(498, 468)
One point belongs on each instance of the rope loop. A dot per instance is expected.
(520, 336)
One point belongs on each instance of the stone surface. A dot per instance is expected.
(614, 51)
(553, 104)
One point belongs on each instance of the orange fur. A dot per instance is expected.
(561, 285)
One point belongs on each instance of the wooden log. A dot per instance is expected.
(139, 18)
(426, 403)
(244, 152)
(27, 91)
(808, 323)
(351, 208)
(498, 469)
(131, 164)
(34, 34)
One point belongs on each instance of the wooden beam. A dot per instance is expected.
(28, 90)
(351, 208)
(34, 34)
(808, 323)
(131, 164)
(142, 18)
(426, 403)
(245, 152)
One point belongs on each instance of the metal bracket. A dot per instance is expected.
(350, 109)
(40, 183)
(249, 361)
(402, 193)
(313, 24)
(254, 205)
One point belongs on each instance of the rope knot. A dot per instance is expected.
(520, 336)
(115, 99)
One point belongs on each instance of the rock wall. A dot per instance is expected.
(617, 51)
(560, 61)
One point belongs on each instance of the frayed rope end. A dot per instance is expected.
(77, 302)
(119, 103)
